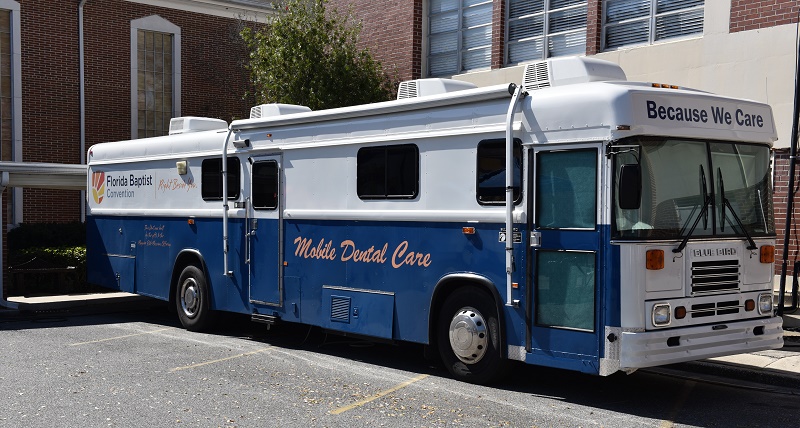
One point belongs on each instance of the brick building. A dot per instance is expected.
(79, 72)
(738, 48)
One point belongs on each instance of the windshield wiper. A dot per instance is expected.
(703, 213)
(727, 204)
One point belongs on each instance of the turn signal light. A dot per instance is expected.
(749, 305)
(680, 313)
(655, 259)
(767, 254)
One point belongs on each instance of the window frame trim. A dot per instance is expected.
(387, 197)
(159, 24)
(651, 27)
(16, 193)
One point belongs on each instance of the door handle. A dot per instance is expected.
(536, 239)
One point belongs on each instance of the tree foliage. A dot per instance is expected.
(308, 55)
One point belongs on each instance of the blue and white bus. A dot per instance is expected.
(577, 221)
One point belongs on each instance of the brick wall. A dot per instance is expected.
(755, 14)
(392, 30)
(212, 74)
(781, 188)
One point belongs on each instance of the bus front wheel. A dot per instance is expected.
(469, 337)
(193, 300)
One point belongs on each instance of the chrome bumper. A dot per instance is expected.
(656, 348)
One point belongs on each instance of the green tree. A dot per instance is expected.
(309, 56)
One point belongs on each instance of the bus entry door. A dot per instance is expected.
(565, 253)
(264, 231)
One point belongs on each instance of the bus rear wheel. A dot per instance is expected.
(192, 299)
(468, 337)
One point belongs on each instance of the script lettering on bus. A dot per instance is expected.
(154, 236)
(175, 184)
(350, 252)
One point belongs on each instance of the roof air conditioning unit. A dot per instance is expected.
(186, 124)
(427, 87)
(271, 110)
(569, 71)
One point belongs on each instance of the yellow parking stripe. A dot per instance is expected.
(118, 337)
(378, 395)
(192, 366)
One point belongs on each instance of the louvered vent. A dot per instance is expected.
(536, 76)
(340, 309)
(407, 90)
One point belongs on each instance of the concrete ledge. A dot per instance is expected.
(103, 301)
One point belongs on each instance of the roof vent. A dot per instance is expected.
(427, 87)
(569, 71)
(184, 125)
(271, 110)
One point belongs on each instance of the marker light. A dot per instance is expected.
(749, 305)
(765, 303)
(467, 230)
(680, 313)
(655, 259)
(767, 254)
(661, 314)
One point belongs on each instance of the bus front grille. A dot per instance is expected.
(719, 308)
(715, 276)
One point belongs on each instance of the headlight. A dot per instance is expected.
(765, 303)
(661, 314)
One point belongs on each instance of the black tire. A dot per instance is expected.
(192, 299)
(473, 353)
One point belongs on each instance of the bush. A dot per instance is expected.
(47, 259)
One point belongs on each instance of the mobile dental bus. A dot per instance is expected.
(577, 221)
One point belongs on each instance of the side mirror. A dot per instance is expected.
(629, 190)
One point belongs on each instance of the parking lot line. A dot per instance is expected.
(378, 395)
(118, 337)
(205, 363)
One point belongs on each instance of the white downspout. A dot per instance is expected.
(82, 91)
(517, 93)
(226, 272)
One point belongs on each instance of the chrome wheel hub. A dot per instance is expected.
(468, 338)
(190, 301)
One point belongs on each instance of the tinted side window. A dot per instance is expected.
(211, 179)
(388, 172)
(491, 180)
(265, 185)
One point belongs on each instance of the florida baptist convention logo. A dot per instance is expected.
(98, 186)
(119, 186)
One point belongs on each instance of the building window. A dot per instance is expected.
(155, 93)
(638, 22)
(460, 36)
(11, 101)
(388, 172)
(6, 109)
(540, 29)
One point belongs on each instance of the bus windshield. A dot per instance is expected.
(702, 188)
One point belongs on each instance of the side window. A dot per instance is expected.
(265, 185)
(491, 180)
(566, 189)
(388, 172)
(211, 179)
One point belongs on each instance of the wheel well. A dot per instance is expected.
(447, 285)
(185, 258)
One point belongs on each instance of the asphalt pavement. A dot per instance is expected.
(778, 368)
